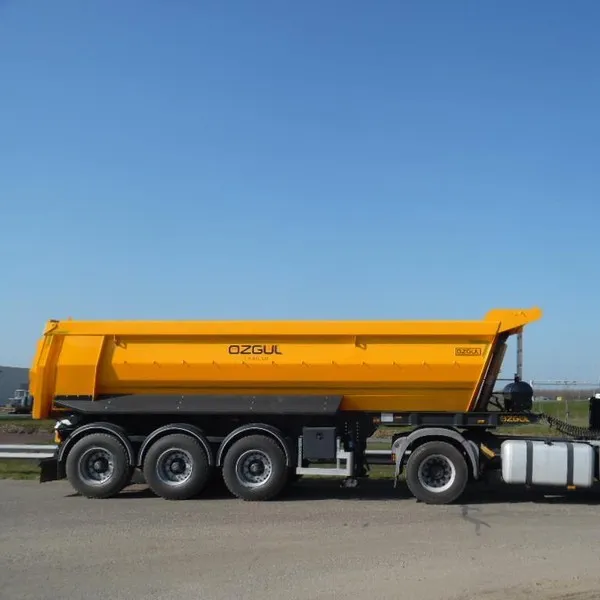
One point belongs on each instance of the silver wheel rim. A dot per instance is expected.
(436, 473)
(253, 468)
(174, 466)
(96, 466)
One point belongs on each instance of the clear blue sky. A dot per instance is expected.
(341, 159)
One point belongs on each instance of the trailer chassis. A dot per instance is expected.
(439, 454)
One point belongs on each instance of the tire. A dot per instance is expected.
(98, 466)
(429, 487)
(255, 452)
(164, 461)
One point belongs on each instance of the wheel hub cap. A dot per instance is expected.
(174, 466)
(253, 468)
(436, 473)
(100, 466)
(96, 466)
(256, 468)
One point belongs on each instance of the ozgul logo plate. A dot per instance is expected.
(254, 349)
(467, 351)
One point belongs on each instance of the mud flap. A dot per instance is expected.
(48, 469)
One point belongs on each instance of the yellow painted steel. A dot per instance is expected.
(376, 365)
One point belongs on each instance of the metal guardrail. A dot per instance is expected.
(37, 451)
(25, 451)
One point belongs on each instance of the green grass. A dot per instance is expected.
(381, 472)
(19, 469)
(21, 425)
(575, 413)
(577, 410)
(28, 470)
(376, 472)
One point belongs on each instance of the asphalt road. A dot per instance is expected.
(319, 542)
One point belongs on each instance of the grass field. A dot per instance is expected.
(19, 469)
(25, 425)
(28, 469)
(575, 413)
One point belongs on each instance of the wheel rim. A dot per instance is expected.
(96, 466)
(174, 466)
(436, 473)
(253, 468)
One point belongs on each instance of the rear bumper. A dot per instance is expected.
(49, 470)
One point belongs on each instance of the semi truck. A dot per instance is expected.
(262, 403)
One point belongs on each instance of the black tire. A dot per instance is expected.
(91, 457)
(166, 456)
(262, 453)
(453, 478)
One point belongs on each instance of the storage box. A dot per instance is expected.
(560, 463)
(319, 443)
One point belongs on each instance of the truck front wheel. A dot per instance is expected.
(437, 473)
(98, 466)
(254, 468)
(176, 467)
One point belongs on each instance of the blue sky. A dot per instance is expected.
(335, 160)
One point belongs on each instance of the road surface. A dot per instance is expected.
(319, 543)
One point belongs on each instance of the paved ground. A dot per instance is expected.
(320, 542)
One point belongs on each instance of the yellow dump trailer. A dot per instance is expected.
(264, 402)
(396, 366)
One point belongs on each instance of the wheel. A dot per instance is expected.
(437, 473)
(176, 467)
(98, 466)
(254, 468)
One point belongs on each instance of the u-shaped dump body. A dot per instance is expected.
(375, 366)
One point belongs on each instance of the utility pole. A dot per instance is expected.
(520, 355)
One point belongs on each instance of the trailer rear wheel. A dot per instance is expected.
(98, 466)
(176, 467)
(437, 473)
(254, 468)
